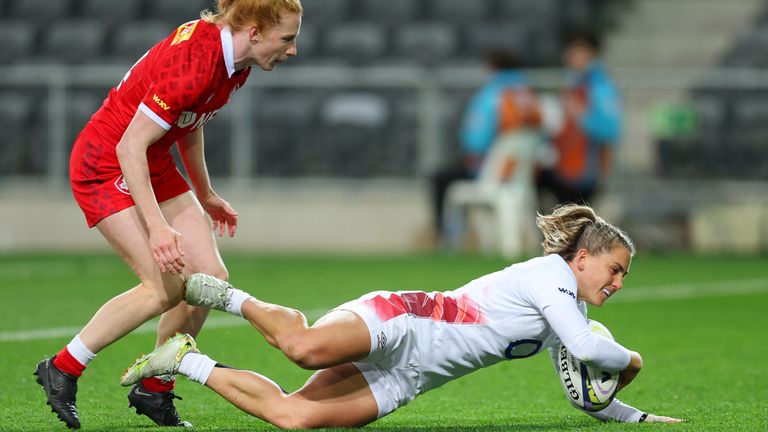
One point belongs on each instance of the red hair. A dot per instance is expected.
(237, 14)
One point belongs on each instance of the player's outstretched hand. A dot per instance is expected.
(653, 418)
(222, 214)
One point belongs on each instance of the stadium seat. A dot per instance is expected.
(307, 44)
(81, 105)
(350, 137)
(177, 11)
(749, 50)
(710, 112)
(325, 12)
(284, 122)
(503, 195)
(400, 153)
(133, 39)
(533, 10)
(357, 41)
(750, 112)
(579, 13)
(390, 11)
(339, 152)
(286, 107)
(15, 120)
(110, 11)
(511, 36)
(40, 11)
(458, 11)
(73, 41)
(426, 42)
(218, 145)
(355, 108)
(18, 40)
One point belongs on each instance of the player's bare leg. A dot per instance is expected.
(334, 397)
(185, 214)
(156, 293)
(154, 397)
(338, 337)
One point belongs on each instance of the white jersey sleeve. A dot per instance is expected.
(615, 411)
(573, 330)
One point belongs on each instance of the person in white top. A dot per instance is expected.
(377, 353)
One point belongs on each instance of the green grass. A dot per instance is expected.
(705, 355)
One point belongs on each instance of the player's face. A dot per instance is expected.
(277, 43)
(601, 276)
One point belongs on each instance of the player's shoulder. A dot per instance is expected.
(553, 265)
(550, 273)
(193, 49)
(198, 38)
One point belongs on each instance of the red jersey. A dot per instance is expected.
(180, 83)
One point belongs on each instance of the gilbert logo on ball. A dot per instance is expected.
(588, 388)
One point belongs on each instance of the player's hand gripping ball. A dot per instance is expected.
(588, 388)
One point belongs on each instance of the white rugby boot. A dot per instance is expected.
(164, 360)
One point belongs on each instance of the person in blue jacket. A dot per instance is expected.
(504, 103)
(592, 121)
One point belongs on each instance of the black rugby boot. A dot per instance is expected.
(158, 406)
(61, 390)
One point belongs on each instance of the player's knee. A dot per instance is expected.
(291, 419)
(222, 274)
(303, 349)
(219, 272)
(161, 296)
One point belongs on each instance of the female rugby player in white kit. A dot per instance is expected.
(377, 353)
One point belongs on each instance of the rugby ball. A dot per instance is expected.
(586, 387)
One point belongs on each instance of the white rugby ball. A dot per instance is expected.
(586, 387)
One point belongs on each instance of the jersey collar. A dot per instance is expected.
(228, 50)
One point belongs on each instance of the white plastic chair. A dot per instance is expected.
(500, 208)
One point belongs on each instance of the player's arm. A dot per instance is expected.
(132, 155)
(617, 410)
(192, 151)
(572, 328)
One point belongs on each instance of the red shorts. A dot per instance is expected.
(97, 181)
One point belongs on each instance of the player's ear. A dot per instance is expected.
(581, 258)
(254, 33)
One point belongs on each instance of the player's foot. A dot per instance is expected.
(158, 406)
(164, 360)
(61, 390)
(208, 291)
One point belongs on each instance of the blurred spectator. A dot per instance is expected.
(591, 125)
(505, 103)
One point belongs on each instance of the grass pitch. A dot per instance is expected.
(700, 324)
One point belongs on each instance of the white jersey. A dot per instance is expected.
(510, 314)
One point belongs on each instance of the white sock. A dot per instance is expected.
(236, 299)
(79, 351)
(197, 367)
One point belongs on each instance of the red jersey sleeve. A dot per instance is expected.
(181, 71)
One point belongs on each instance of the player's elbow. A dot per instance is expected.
(123, 152)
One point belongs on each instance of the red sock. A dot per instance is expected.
(66, 363)
(157, 385)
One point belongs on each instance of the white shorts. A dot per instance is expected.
(392, 367)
